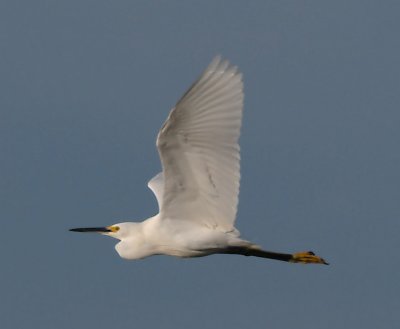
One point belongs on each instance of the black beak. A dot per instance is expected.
(91, 229)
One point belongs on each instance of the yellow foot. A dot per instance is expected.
(307, 258)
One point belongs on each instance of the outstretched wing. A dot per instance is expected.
(199, 151)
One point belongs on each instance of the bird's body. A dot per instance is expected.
(160, 236)
(197, 191)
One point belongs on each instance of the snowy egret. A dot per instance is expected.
(197, 190)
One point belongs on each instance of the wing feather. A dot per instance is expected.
(199, 151)
(156, 184)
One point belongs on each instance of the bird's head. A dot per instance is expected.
(129, 234)
(117, 231)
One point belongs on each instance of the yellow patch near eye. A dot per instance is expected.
(113, 228)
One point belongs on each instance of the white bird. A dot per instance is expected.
(197, 190)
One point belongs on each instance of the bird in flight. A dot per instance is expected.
(197, 190)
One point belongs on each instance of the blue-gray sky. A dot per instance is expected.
(85, 86)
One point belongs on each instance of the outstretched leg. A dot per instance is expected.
(301, 257)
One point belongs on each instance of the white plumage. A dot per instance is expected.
(197, 190)
(199, 151)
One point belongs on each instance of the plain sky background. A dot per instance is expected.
(84, 88)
